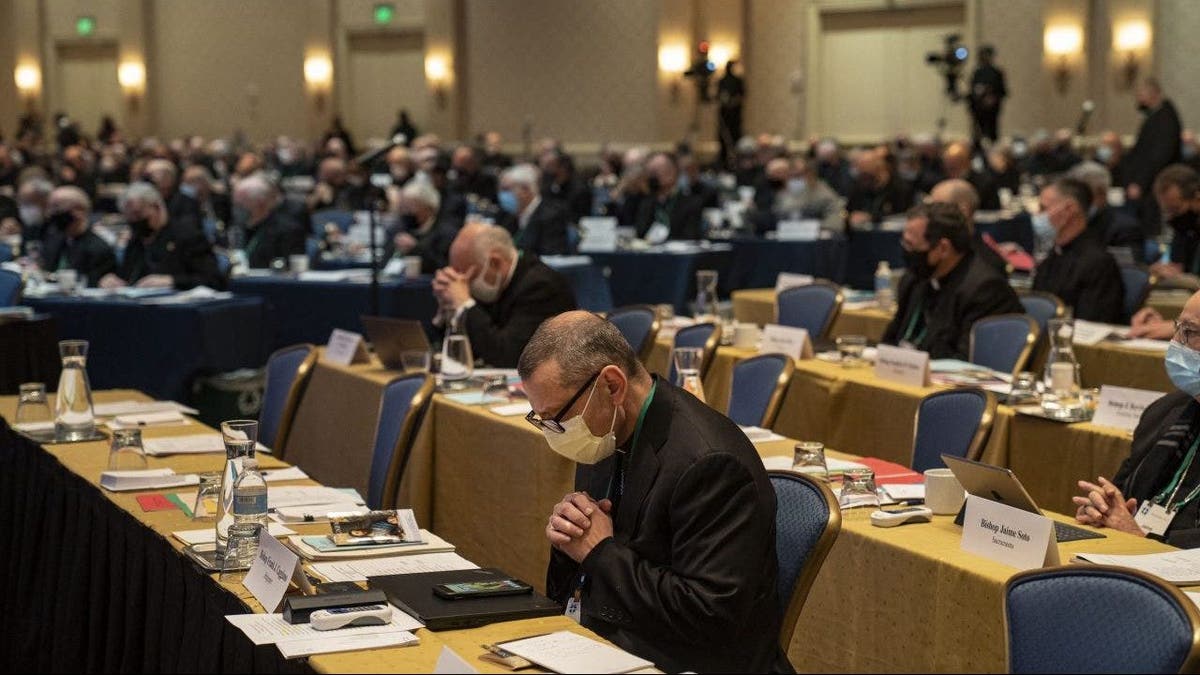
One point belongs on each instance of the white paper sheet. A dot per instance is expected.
(903, 493)
(114, 408)
(359, 570)
(334, 641)
(168, 418)
(316, 513)
(760, 435)
(267, 629)
(191, 444)
(566, 652)
(148, 479)
(306, 495)
(290, 473)
(209, 534)
(512, 409)
(1181, 568)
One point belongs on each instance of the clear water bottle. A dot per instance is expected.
(250, 495)
(74, 417)
(240, 438)
(884, 296)
(1062, 396)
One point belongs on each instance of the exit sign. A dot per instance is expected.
(384, 13)
(85, 25)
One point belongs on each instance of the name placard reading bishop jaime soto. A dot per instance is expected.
(1009, 536)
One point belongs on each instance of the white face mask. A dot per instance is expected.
(484, 292)
(577, 443)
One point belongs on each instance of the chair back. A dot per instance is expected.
(401, 409)
(955, 422)
(343, 220)
(10, 288)
(807, 522)
(1003, 342)
(813, 307)
(706, 336)
(1048, 612)
(757, 390)
(1042, 306)
(288, 371)
(1137, 282)
(639, 324)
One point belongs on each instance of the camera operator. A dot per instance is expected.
(988, 92)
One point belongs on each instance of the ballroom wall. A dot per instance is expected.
(588, 71)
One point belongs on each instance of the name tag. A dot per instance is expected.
(778, 339)
(271, 571)
(599, 235)
(1154, 518)
(657, 233)
(1122, 407)
(345, 348)
(904, 366)
(1008, 536)
(574, 608)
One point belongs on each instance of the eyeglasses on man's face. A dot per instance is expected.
(554, 424)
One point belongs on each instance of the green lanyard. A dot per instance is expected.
(637, 432)
(912, 323)
(662, 213)
(1171, 491)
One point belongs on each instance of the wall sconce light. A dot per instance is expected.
(1063, 42)
(132, 77)
(437, 73)
(673, 62)
(1131, 39)
(28, 78)
(720, 54)
(318, 76)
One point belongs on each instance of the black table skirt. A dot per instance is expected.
(89, 588)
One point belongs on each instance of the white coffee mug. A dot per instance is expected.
(67, 278)
(412, 266)
(745, 336)
(298, 263)
(943, 493)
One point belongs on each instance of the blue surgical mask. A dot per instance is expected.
(188, 190)
(508, 201)
(1042, 226)
(1104, 154)
(683, 182)
(1183, 367)
(797, 185)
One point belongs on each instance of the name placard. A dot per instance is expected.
(271, 571)
(599, 235)
(787, 280)
(1009, 536)
(903, 366)
(1122, 407)
(808, 229)
(778, 339)
(345, 348)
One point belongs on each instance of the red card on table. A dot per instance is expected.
(156, 502)
(891, 473)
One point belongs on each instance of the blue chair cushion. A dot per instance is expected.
(946, 423)
(634, 325)
(807, 307)
(753, 383)
(281, 374)
(394, 408)
(801, 516)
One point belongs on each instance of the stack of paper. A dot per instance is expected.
(165, 418)
(1181, 568)
(512, 409)
(566, 652)
(145, 479)
(361, 570)
(315, 548)
(760, 435)
(190, 444)
(301, 639)
(208, 535)
(310, 495)
(836, 466)
(131, 407)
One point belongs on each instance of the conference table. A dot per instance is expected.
(94, 583)
(160, 347)
(307, 310)
(663, 275)
(905, 599)
(1107, 362)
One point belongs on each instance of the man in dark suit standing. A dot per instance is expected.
(676, 211)
(270, 232)
(162, 252)
(538, 225)
(987, 94)
(1157, 145)
(668, 547)
(496, 295)
(69, 241)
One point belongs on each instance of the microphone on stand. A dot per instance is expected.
(369, 157)
(1085, 116)
(365, 160)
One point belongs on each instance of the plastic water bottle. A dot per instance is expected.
(884, 296)
(250, 495)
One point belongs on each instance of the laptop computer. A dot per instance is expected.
(414, 594)
(1001, 485)
(392, 337)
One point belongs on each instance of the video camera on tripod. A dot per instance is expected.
(949, 63)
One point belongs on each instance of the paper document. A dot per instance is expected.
(315, 513)
(135, 407)
(512, 409)
(290, 473)
(476, 398)
(208, 535)
(146, 479)
(904, 493)
(361, 570)
(565, 652)
(197, 294)
(1146, 344)
(268, 629)
(335, 641)
(760, 435)
(1181, 568)
(323, 275)
(305, 495)
(148, 419)
(191, 444)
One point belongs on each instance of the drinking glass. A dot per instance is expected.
(240, 551)
(126, 452)
(706, 295)
(810, 459)
(415, 360)
(495, 386)
(32, 406)
(851, 347)
(687, 365)
(1024, 389)
(457, 362)
(67, 280)
(858, 489)
(208, 489)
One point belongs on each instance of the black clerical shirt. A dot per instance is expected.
(1086, 277)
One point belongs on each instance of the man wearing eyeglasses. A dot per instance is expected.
(668, 547)
(1156, 492)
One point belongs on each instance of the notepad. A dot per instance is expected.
(148, 419)
(146, 479)
(1181, 568)
(566, 652)
(191, 444)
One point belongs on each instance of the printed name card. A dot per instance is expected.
(1122, 407)
(778, 339)
(787, 280)
(599, 235)
(1009, 536)
(271, 571)
(345, 348)
(903, 366)
(798, 230)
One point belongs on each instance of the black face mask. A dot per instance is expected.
(1143, 108)
(141, 227)
(60, 221)
(409, 223)
(917, 262)
(775, 184)
(654, 184)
